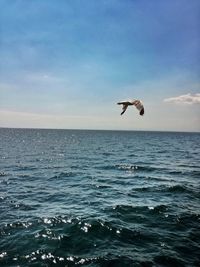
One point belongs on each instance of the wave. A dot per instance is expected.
(168, 260)
(130, 168)
(98, 226)
(22, 206)
(143, 210)
(165, 189)
(178, 189)
(194, 174)
(188, 219)
(146, 189)
(182, 189)
(190, 173)
(25, 167)
(74, 229)
(137, 168)
(2, 174)
(63, 175)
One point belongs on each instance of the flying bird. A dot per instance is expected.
(137, 103)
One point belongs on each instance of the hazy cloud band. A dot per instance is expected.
(185, 99)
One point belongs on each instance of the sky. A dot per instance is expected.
(65, 64)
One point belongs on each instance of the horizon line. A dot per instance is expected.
(85, 129)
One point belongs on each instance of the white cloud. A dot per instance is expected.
(185, 99)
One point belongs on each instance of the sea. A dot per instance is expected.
(99, 198)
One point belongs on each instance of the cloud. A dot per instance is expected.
(188, 99)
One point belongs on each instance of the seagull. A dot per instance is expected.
(137, 103)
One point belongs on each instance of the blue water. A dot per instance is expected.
(99, 198)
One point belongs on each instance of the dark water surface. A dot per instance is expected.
(99, 198)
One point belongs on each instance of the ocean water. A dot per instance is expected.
(99, 198)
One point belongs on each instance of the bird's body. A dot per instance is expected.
(137, 103)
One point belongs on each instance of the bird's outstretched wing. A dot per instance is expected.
(124, 107)
(138, 104)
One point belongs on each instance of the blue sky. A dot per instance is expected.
(65, 64)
